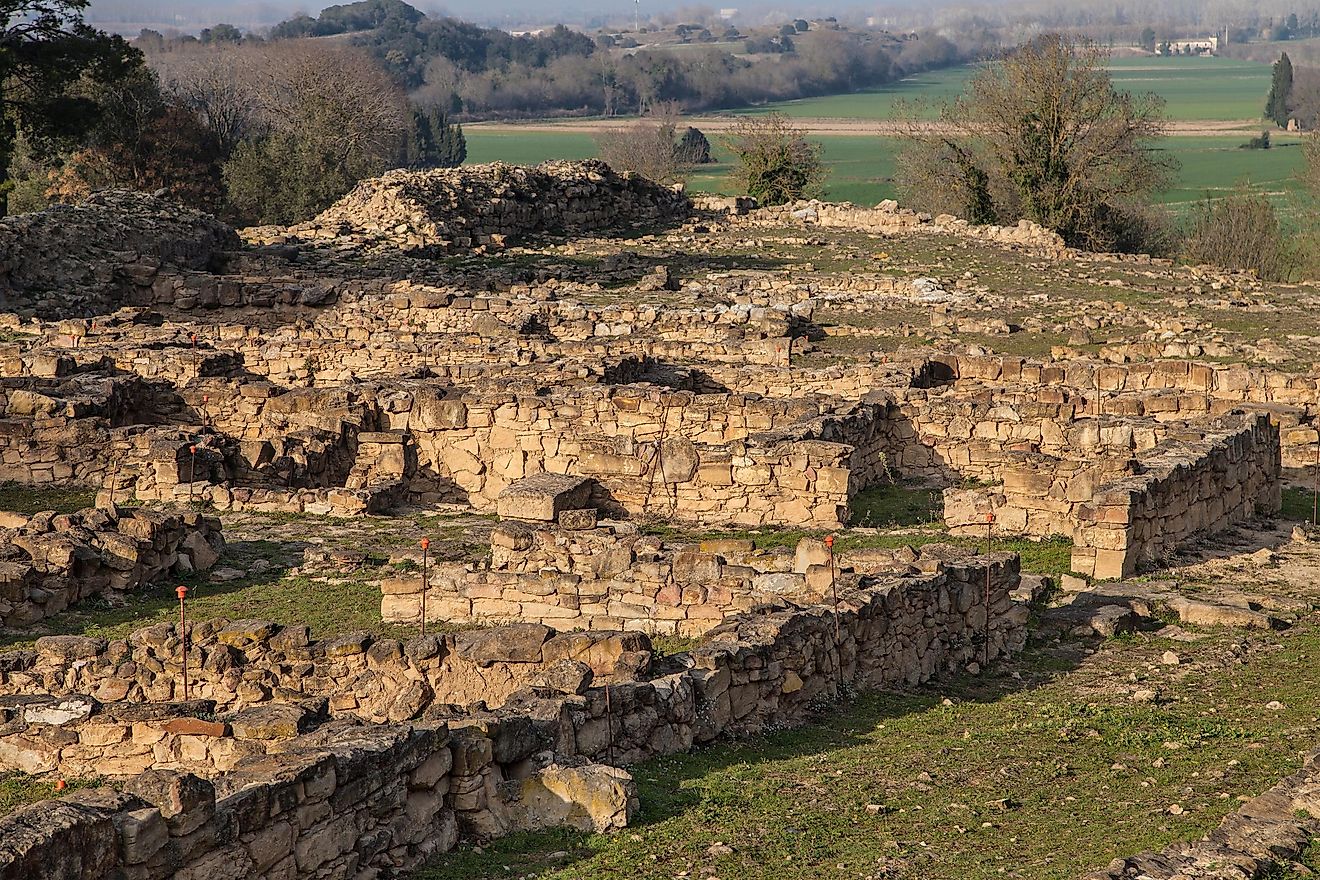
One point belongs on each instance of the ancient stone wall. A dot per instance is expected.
(84, 259)
(245, 663)
(1202, 484)
(607, 578)
(594, 692)
(49, 562)
(888, 218)
(344, 801)
(708, 458)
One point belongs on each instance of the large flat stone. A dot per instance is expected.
(543, 497)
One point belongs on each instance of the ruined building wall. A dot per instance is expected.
(340, 803)
(1186, 487)
(609, 578)
(453, 209)
(49, 562)
(759, 667)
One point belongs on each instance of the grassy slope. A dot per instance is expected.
(1041, 776)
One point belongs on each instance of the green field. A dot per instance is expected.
(1213, 90)
(1208, 89)
(862, 166)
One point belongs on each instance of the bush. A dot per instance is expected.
(1239, 232)
(776, 162)
(648, 147)
(1258, 143)
(693, 148)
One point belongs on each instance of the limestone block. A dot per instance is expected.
(543, 497)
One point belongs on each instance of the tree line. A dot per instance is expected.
(481, 73)
(258, 133)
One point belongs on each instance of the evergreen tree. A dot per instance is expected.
(45, 47)
(693, 148)
(435, 142)
(1277, 105)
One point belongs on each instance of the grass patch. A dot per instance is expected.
(19, 790)
(1298, 504)
(28, 500)
(896, 505)
(1051, 556)
(328, 605)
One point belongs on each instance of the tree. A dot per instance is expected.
(776, 163)
(1148, 39)
(1041, 134)
(693, 148)
(648, 147)
(327, 118)
(45, 46)
(435, 142)
(220, 88)
(1278, 103)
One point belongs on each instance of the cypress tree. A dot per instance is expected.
(434, 142)
(1281, 86)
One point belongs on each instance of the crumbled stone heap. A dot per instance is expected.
(111, 242)
(48, 562)
(456, 209)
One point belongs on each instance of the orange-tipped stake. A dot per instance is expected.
(426, 545)
(182, 592)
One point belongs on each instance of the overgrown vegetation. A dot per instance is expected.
(1238, 232)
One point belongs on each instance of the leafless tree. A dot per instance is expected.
(1041, 134)
(647, 147)
(218, 85)
(337, 100)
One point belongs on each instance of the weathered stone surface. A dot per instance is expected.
(543, 497)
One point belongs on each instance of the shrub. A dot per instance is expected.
(776, 162)
(1258, 143)
(1239, 232)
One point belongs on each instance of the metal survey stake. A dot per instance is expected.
(426, 545)
(834, 594)
(989, 525)
(182, 592)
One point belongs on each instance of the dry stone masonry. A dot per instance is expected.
(606, 368)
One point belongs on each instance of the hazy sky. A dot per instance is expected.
(192, 14)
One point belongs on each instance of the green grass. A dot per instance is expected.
(1051, 556)
(1298, 504)
(896, 505)
(1043, 776)
(19, 790)
(878, 103)
(1216, 166)
(328, 605)
(1210, 89)
(27, 500)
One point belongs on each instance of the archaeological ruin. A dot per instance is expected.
(664, 422)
